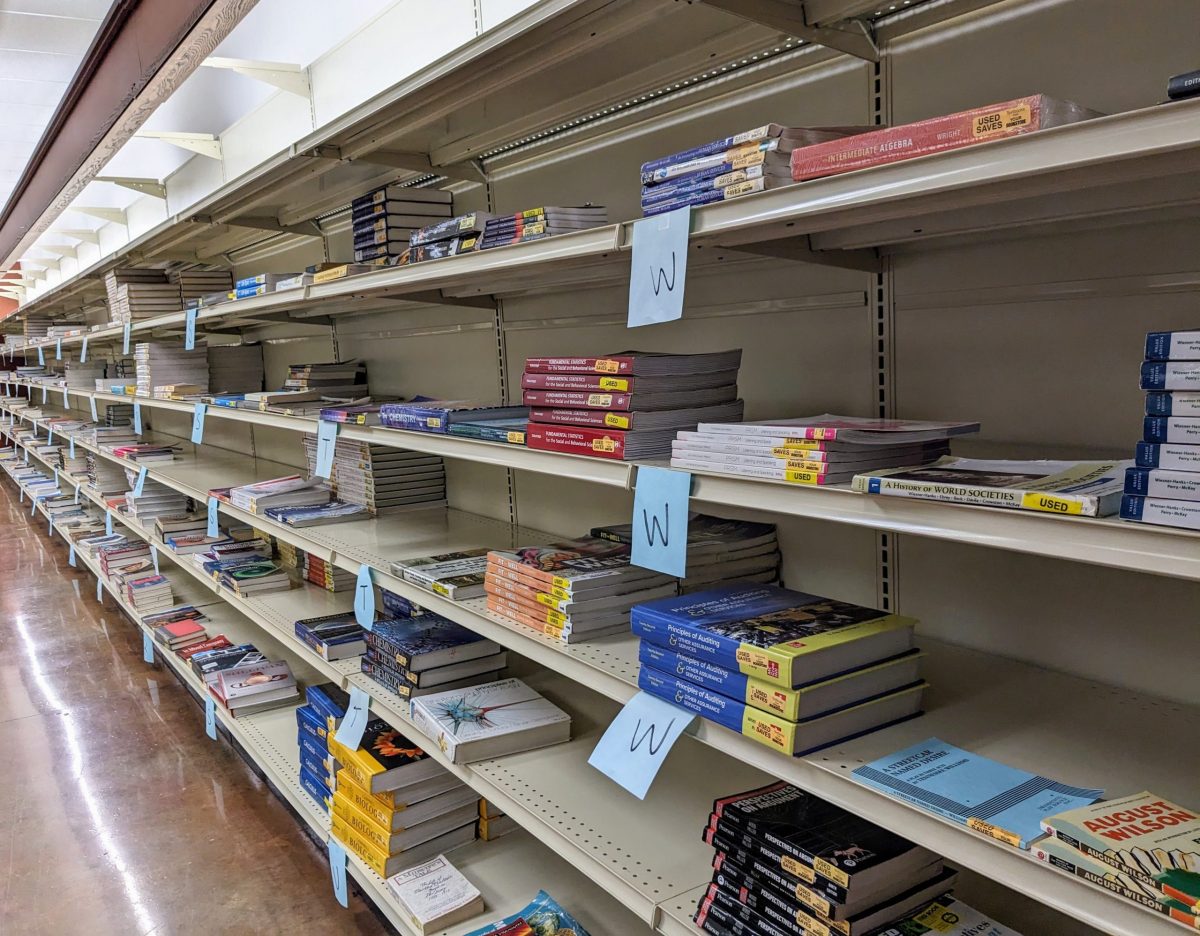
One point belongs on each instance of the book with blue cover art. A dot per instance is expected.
(542, 916)
(1001, 801)
(781, 636)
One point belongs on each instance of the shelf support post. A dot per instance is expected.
(852, 36)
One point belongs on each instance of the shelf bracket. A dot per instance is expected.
(287, 76)
(63, 250)
(206, 144)
(112, 215)
(800, 249)
(468, 171)
(144, 186)
(80, 234)
(852, 36)
(307, 229)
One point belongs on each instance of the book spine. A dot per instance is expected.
(939, 134)
(566, 399)
(1167, 403)
(1072, 504)
(576, 441)
(1173, 456)
(718, 679)
(1173, 485)
(708, 149)
(782, 909)
(712, 178)
(1174, 429)
(705, 198)
(1161, 511)
(1183, 86)
(750, 867)
(733, 830)
(1104, 881)
(596, 419)
(730, 160)
(345, 834)
(451, 227)
(1173, 346)
(579, 365)
(1171, 375)
(1084, 848)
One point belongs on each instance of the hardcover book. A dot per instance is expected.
(1145, 836)
(490, 720)
(818, 838)
(1000, 801)
(783, 637)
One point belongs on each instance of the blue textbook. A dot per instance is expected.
(989, 797)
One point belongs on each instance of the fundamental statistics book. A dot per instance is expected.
(640, 363)
(1090, 489)
(490, 720)
(1146, 836)
(818, 838)
(860, 430)
(784, 637)
(1000, 801)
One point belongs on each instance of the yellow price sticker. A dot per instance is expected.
(616, 420)
(1002, 835)
(796, 869)
(599, 399)
(516, 438)
(1001, 121)
(608, 366)
(604, 445)
(614, 383)
(1051, 504)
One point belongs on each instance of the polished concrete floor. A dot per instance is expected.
(117, 814)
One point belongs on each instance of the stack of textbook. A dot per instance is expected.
(196, 284)
(380, 478)
(793, 671)
(288, 491)
(1143, 847)
(456, 575)
(81, 376)
(105, 478)
(417, 656)
(166, 368)
(149, 594)
(627, 405)
(719, 551)
(468, 418)
(384, 220)
(309, 383)
(823, 449)
(135, 294)
(393, 805)
(537, 223)
(34, 328)
(254, 687)
(786, 862)
(314, 569)
(447, 238)
(235, 368)
(333, 636)
(575, 591)
(731, 167)
(156, 499)
(324, 707)
(1163, 485)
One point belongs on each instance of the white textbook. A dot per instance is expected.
(489, 720)
(435, 895)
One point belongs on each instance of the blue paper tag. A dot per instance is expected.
(71, 555)
(189, 329)
(147, 647)
(41, 356)
(214, 528)
(32, 503)
(137, 418)
(66, 399)
(140, 482)
(58, 349)
(326, 441)
(108, 522)
(198, 423)
(125, 338)
(49, 434)
(83, 351)
(45, 394)
(99, 589)
(78, 488)
(660, 520)
(71, 447)
(364, 598)
(636, 744)
(50, 524)
(56, 477)
(354, 723)
(659, 267)
(337, 870)
(92, 400)
(210, 717)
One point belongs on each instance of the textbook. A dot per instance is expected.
(542, 916)
(1161, 511)
(435, 895)
(1089, 488)
(780, 734)
(1162, 482)
(783, 637)
(455, 575)
(818, 839)
(1171, 430)
(333, 636)
(511, 431)
(1171, 375)
(385, 759)
(814, 698)
(432, 415)
(428, 641)
(863, 431)
(1145, 836)
(1172, 403)
(641, 363)
(1173, 345)
(1000, 801)
(491, 720)
(1059, 854)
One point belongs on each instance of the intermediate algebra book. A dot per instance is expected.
(1000, 801)
(490, 720)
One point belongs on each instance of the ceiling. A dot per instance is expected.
(42, 43)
